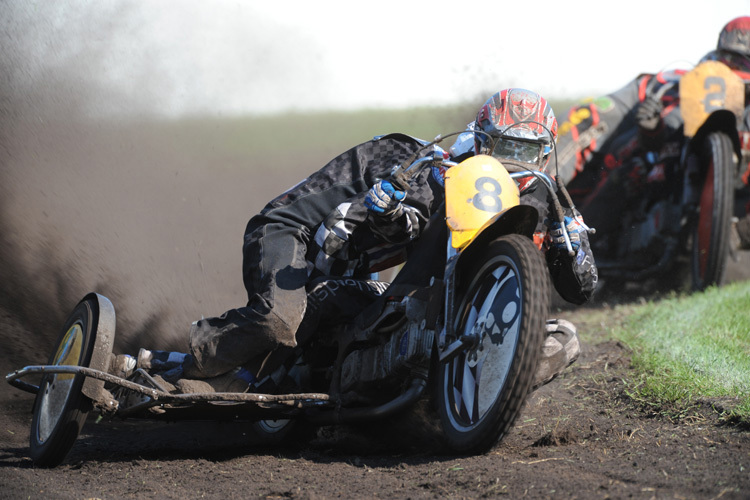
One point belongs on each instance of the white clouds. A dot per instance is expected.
(402, 53)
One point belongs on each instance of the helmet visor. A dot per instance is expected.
(513, 148)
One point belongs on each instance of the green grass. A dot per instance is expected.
(690, 349)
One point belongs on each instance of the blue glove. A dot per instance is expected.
(574, 228)
(383, 198)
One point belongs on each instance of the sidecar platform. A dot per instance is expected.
(141, 396)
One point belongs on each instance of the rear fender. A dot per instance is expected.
(722, 120)
(103, 344)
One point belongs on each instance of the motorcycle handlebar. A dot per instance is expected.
(401, 175)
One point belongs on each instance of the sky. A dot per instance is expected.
(232, 57)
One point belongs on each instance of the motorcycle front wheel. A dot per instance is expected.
(60, 407)
(483, 389)
(711, 232)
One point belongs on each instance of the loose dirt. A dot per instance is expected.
(124, 212)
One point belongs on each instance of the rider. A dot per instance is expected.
(503, 118)
(643, 117)
(308, 253)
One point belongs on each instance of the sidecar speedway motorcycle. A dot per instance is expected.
(467, 334)
(686, 216)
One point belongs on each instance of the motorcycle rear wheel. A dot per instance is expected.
(60, 408)
(711, 233)
(483, 389)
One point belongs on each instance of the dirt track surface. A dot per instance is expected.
(127, 214)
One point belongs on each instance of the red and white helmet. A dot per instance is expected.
(523, 125)
(735, 36)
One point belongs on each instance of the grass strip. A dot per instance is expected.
(693, 348)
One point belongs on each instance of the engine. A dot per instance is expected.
(408, 347)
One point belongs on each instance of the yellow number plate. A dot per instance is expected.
(476, 190)
(709, 87)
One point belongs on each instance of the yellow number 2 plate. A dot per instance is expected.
(709, 87)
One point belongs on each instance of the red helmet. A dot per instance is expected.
(735, 36)
(523, 124)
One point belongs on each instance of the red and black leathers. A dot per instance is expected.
(607, 161)
(602, 150)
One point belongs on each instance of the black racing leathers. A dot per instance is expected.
(309, 251)
(318, 228)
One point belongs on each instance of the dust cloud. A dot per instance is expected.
(147, 212)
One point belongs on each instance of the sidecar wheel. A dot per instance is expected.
(711, 233)
(482, 390)
(60, 407)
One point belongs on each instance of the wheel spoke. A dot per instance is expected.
(469, 393)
